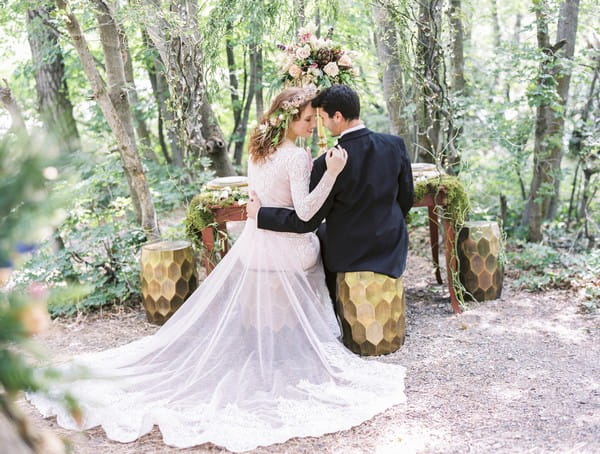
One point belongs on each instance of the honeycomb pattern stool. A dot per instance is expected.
(480, 271)
(168, 278)
(372, 312)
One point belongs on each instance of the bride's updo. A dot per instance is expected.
(271, 129)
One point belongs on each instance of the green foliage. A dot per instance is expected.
(199, 216)
(100, 240)
(458, 204)
(539, 267)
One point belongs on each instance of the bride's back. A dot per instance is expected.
(270, 178)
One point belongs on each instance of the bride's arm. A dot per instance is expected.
(306, 204)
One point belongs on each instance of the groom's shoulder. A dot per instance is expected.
(388, 139)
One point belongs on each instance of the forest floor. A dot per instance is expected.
(520, 374)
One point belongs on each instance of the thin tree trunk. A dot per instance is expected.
(155, 68)
(260, 107)
(117, 115)
(138, 116)
(55, 107)
(236, 104)
(243, 125)
(458, 80)
(567, 31)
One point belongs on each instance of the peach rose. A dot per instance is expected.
(331, 69)
(295, 71)
(345, 60)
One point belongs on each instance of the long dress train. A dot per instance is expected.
(253, 356)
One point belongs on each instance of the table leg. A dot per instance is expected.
(451, 264)
(434, 240)
(222, 230)
(208, 240)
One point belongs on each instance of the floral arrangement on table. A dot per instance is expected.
(314, 61)
(199, 214)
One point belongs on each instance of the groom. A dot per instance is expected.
(365, 227)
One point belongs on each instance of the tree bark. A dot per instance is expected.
(181, 52)
(55, 107)
(114, 103)
(10, 104)
(240, 134)
(387, 46)
(141, 129)
(549, 123)
(567, 31)
(458, 58)
(429, 117)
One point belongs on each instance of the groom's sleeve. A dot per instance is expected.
(405, 181)
(286, 220)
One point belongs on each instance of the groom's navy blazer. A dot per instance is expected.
(365, 228)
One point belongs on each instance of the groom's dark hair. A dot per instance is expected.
(339, 98)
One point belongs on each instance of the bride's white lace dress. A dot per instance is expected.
(253, 356)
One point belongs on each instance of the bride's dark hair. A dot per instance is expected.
(271, 130)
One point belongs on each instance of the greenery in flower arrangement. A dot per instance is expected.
(199, 214)
(314, 61)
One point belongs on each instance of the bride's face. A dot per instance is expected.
(303, 127)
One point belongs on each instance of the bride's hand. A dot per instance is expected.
(336, 159)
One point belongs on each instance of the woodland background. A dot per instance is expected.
(116, 112)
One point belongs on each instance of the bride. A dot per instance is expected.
(253, 357)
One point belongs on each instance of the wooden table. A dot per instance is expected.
(431, 201)
(221, 216)
(434, 201)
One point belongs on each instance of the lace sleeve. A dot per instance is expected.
(306, 204)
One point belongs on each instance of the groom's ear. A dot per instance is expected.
(338, 117)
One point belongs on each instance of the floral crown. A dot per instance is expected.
(276, 124)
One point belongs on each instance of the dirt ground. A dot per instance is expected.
(520, 374)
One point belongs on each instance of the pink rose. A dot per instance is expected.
(303, 52)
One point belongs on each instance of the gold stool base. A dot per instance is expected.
(168, 278)
(371, 309)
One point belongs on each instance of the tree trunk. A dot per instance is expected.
(458, 58)
(10, 104)
(240, 134)
(181, 52)
(549, 123)
(234, 86)
(114, 103)
(567, 31)
(458, 81)
(429, 117)
(260, 107)
(300, 12)
(387, 45)
(141, 129)
(55, 107)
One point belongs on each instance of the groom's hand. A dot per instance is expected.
(253, 206)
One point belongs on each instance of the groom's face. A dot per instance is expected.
(333, 123)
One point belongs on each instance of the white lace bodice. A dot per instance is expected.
(283, 181)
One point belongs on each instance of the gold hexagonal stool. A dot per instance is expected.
(372, 312)
(168, 278)
(480, 270)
